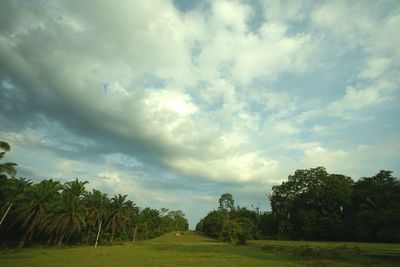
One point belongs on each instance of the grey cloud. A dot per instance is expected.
(57, 54)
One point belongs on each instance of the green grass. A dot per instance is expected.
(192, 249)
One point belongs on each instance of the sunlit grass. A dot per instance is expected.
(191, 249)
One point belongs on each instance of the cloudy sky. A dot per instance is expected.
(177, 102)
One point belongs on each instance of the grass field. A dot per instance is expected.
(190, 249)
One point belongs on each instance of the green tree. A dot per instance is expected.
(150, 221)
(7, 167)
(176, 221)
(376, 208)
(11, 191)
(66, 219)
(310, 198)
(119, 214)
(76, 187)
(213, 223)
(226, 202)
(34, 205)
(230, 224)
(97, 204)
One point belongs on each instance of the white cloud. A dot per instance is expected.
(276, 100)
(167, 123)
(231, 15)
(363, 24)
(375, 68)
(249, 56)
(344, 19)
(169, 100)
(285, 10)
(111, 179)
(243, 167)
(356, 99)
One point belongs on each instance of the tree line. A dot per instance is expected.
(53, 213)
(314, 205)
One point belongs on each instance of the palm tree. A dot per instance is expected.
(8, 167)
(33, 206)
(150, 219)
(119, 214)
(11, 190)
(67, 217)
(97, 204)
(76, 187)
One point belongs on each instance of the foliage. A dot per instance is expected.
(56, 213)
(228, 223)
(315, 205)
(7, 168)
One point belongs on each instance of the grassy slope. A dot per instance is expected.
(194, 250)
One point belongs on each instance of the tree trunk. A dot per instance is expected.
(61, 239)
(32, 227)
(112, 233)
(134, 235)
(98, 234)
(5, 214)
(21, 243)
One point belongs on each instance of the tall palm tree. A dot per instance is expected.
(67, 218)
(76, 187)
(119, 214)
(7, 167)
(150, 219)
(11, 190)
(33, 206)
(97, 204)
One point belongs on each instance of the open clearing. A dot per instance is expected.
(191, 249)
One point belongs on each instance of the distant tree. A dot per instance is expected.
(268, 224)
(69, 214)
(150, 223)
(376, 208)
(119, 214)
(200, 225)
(177, 221)
(97, 204)
(213, 223)
(314, 200)
(230, 224)
(226, 202)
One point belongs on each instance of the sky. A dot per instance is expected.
(177, 102)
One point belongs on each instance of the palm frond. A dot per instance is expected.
(9, 168)
(4, 146)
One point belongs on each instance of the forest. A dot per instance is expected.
(311, 205)
(314, 205)
(53, 213)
